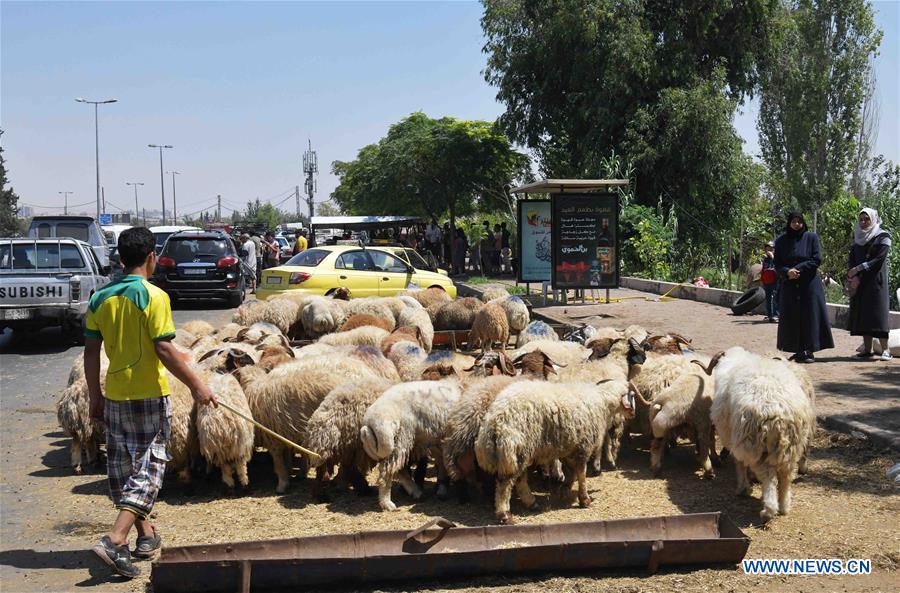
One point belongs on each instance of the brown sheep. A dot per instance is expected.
(407, 333)
(490, 325)
(361, 319)
(458, 314)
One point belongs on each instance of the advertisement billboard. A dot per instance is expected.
(533, 217)
(584, 241)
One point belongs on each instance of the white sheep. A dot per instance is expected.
(565, 353)
(516, 312)
(490, 325)
(323, 315)
(765, 419)
(283, 313)
(459, 361)
(284, 399)
(409, 359)
(534, 422)
(198, 327)
(536, 330)
(226, 440)
(73, 415)
(333, 432)
(493, 292)
(184, 338)
(418, 317)
(380, 308)
(368, 335)
(405, 423)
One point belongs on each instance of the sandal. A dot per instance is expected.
(864, 355)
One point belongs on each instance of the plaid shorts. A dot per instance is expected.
(136, 436)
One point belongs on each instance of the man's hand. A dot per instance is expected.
(98, 406)
(203, 396)
(793, 274)
(851, 273)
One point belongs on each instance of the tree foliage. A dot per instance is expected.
(9, 202)
(264, 216)
(655, 81)
(327, 209)
(812, 91)
(429, 167)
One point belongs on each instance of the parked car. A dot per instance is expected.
(161, 233)
(81, 228)
(200, 264)
(48, 282)
(366, 271)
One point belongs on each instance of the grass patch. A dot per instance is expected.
(479, 280)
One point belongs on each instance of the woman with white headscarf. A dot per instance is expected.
(867, 276)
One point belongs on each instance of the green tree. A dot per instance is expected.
(265, 216)
(811, 94)
(430, 167)
(9, 202)
(327, 209)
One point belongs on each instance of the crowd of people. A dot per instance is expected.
(490, 255)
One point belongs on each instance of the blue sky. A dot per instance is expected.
(238, 88)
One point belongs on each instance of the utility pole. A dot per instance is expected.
(103, 197)
(97, 141)
(174, 203)
(219, 207)
(310, 167)
(297, 198)
(66, 203)
(136, 211)
(162, 180)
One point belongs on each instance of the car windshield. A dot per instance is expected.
(161, 238)
(310, 257)
(43, 256)
(75, 230)
(196, 249)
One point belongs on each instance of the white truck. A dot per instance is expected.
(48, 282)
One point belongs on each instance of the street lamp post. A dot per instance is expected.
(174, 203)
(66, 203)
(136, 184)
(96, 141)
(162, 181)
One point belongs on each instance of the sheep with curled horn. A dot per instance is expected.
(669, 343)
(490, 363)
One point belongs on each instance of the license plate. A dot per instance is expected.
(195, 272)
(9, 314)
(273, 280)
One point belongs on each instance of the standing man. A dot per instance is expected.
(132, 319)
(257, 242)
(302, 243)
(505, 249)
(249, 257)
(433, 237)
(271, 248)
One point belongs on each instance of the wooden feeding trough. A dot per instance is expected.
(440, 550)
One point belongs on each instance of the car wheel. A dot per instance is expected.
(235, 300)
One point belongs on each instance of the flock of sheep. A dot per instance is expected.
(369, 392)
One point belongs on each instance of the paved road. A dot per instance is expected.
(33, 371)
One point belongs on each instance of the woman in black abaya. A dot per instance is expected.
(803, 326)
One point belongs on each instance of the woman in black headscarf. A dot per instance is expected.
(803, 326)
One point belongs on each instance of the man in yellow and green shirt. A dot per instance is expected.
(132, 320)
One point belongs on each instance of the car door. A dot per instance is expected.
(355, 271)
(393, 274)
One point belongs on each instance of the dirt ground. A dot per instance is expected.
(843, 508)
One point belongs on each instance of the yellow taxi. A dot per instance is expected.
(366, 271)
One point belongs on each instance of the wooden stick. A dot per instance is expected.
(268, 431)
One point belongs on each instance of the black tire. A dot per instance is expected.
(748, 301)
(235, 300)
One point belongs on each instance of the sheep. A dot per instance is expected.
(367, 335)
(377, 362)
(490, 325)
(285, 398)
(315, 350)
(418, 317)
(408, 358)
(228, 331)
(439, 371)
(198, 327)
(534, 422)
(184, 338)
(536, 364)
(459, 361)
(604, 333)
(406, 333)
(73, 415)
(224, 439)
(666, 344)
(227, 358)
(536, 330)
(323, 315)
(491, 363)
(256, 333)
(333, 432)
(491, 293)
(409, 302)
(428, 296)
(273, 356)
(516, 312)
(683, 409)
(810, 391)
(375, 307)
(458, 314)
(280, 312)
(360, 320)
(396, 305)
(567, 353)
(404, 423)
(763, 416)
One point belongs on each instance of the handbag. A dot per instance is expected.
(769, 276)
